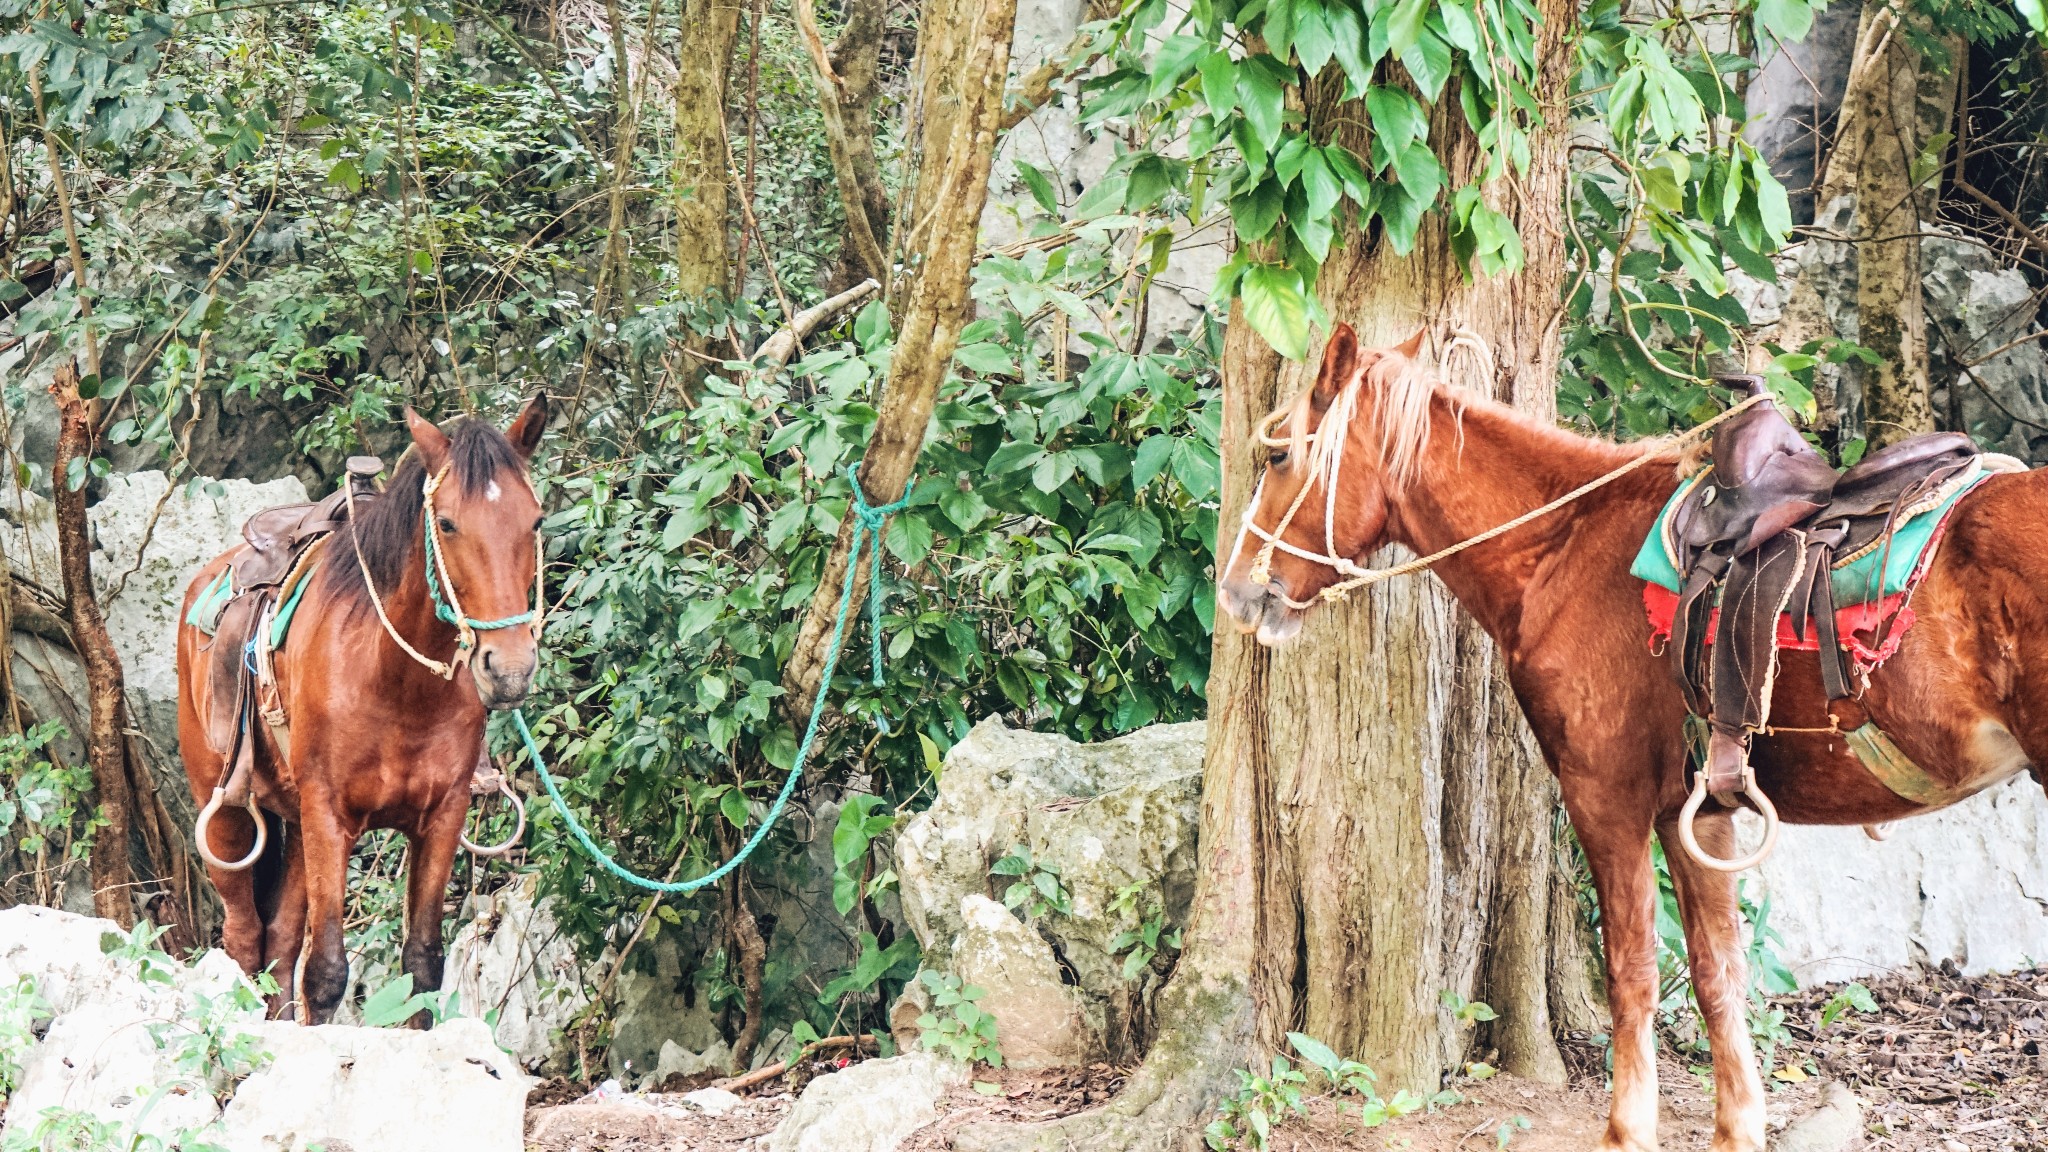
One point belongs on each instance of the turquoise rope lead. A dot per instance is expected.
(867, 521)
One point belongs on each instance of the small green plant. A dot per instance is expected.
(1247, 1119)
(1145, 942)
(1467, 1011)
(1037, 889)
(1150, 936)
(955, 1025)
(137, 947)
(22, 1007)
(396, 1002)
(1849, 996)
(39, 796)
(859, 824)
(1508, 1130)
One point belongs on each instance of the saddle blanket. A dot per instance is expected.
(1871, 586)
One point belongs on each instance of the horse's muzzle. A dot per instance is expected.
(1261, 609)
(503, 680)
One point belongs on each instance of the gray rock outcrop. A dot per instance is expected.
(513, 959)
(1116, 822)
(113, 1052)
(870, 1107)
(1968, 884)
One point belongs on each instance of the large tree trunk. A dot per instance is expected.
(1376, 820)
(702, 170)
(970, 44)
(1896, 102)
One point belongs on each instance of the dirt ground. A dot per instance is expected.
(1946, 1064)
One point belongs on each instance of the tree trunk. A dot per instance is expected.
(976, 50)
(702, 170)
(845, 75)
(1376, 820)
(1896, 102)
(112, 874)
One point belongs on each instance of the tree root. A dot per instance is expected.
(1165, 1104)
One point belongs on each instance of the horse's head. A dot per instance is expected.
(487, 523)
(1323, 500)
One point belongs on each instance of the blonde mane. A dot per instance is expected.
(1405, 386)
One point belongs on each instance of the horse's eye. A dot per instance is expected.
(538, 521)
(1276, 457)
(446, 525)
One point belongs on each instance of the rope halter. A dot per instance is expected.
(441, 587)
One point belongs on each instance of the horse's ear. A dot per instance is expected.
(430, 440)
(1412, 346)
(1340, 365)
(525, 430)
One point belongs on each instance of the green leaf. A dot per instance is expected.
(1262, 93)
(1150, 459)
(1040, 186)
(1404, 27)
(392, 1004)
(1786, 19)
(733, 806)
(1315, 1052)
(1277, 307)
(871, 327)
(1219, 83)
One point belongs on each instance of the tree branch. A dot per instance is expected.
(777, 349)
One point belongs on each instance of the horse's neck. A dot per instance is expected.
(1488, 465)
(411, 611)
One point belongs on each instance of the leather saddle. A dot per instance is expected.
(1760, 533)
(279, 551)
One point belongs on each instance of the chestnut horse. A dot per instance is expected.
(377, 739)
(1388, 455)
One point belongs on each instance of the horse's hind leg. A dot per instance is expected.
(286, 931)
(430, 861)
(231, 836)
(1720, 982)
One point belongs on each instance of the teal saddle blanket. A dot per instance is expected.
(1867, 576)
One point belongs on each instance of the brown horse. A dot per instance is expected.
(1409, 461)
(377, 739)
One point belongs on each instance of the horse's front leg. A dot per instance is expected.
(1613, 826)
(1720, 980)
(324, 848)
(432, 858)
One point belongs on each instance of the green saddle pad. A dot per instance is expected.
(1856, 577)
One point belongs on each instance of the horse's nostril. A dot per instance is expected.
(489, 665)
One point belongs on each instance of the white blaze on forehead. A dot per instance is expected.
(492, 491)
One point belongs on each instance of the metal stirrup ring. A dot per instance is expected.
(519, 832)
(206, 815)
(1764, 808)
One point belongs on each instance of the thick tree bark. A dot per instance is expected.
(702, 170)
(112, 873)
(1896, 102)
(1376, 822)
(936, 305)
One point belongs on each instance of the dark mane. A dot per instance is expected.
(391, 527)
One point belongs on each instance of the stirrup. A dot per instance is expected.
(519, 832)
(1764, 808)
(206, 815)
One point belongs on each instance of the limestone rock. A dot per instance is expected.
(712, 1101)
(387, 1089)
(1039, 1022)
(1114, 818)
(1968, 884)
(1976, 306)
(870, 1107)
(514, 959)
(675, 1060)
(1837, 1124)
